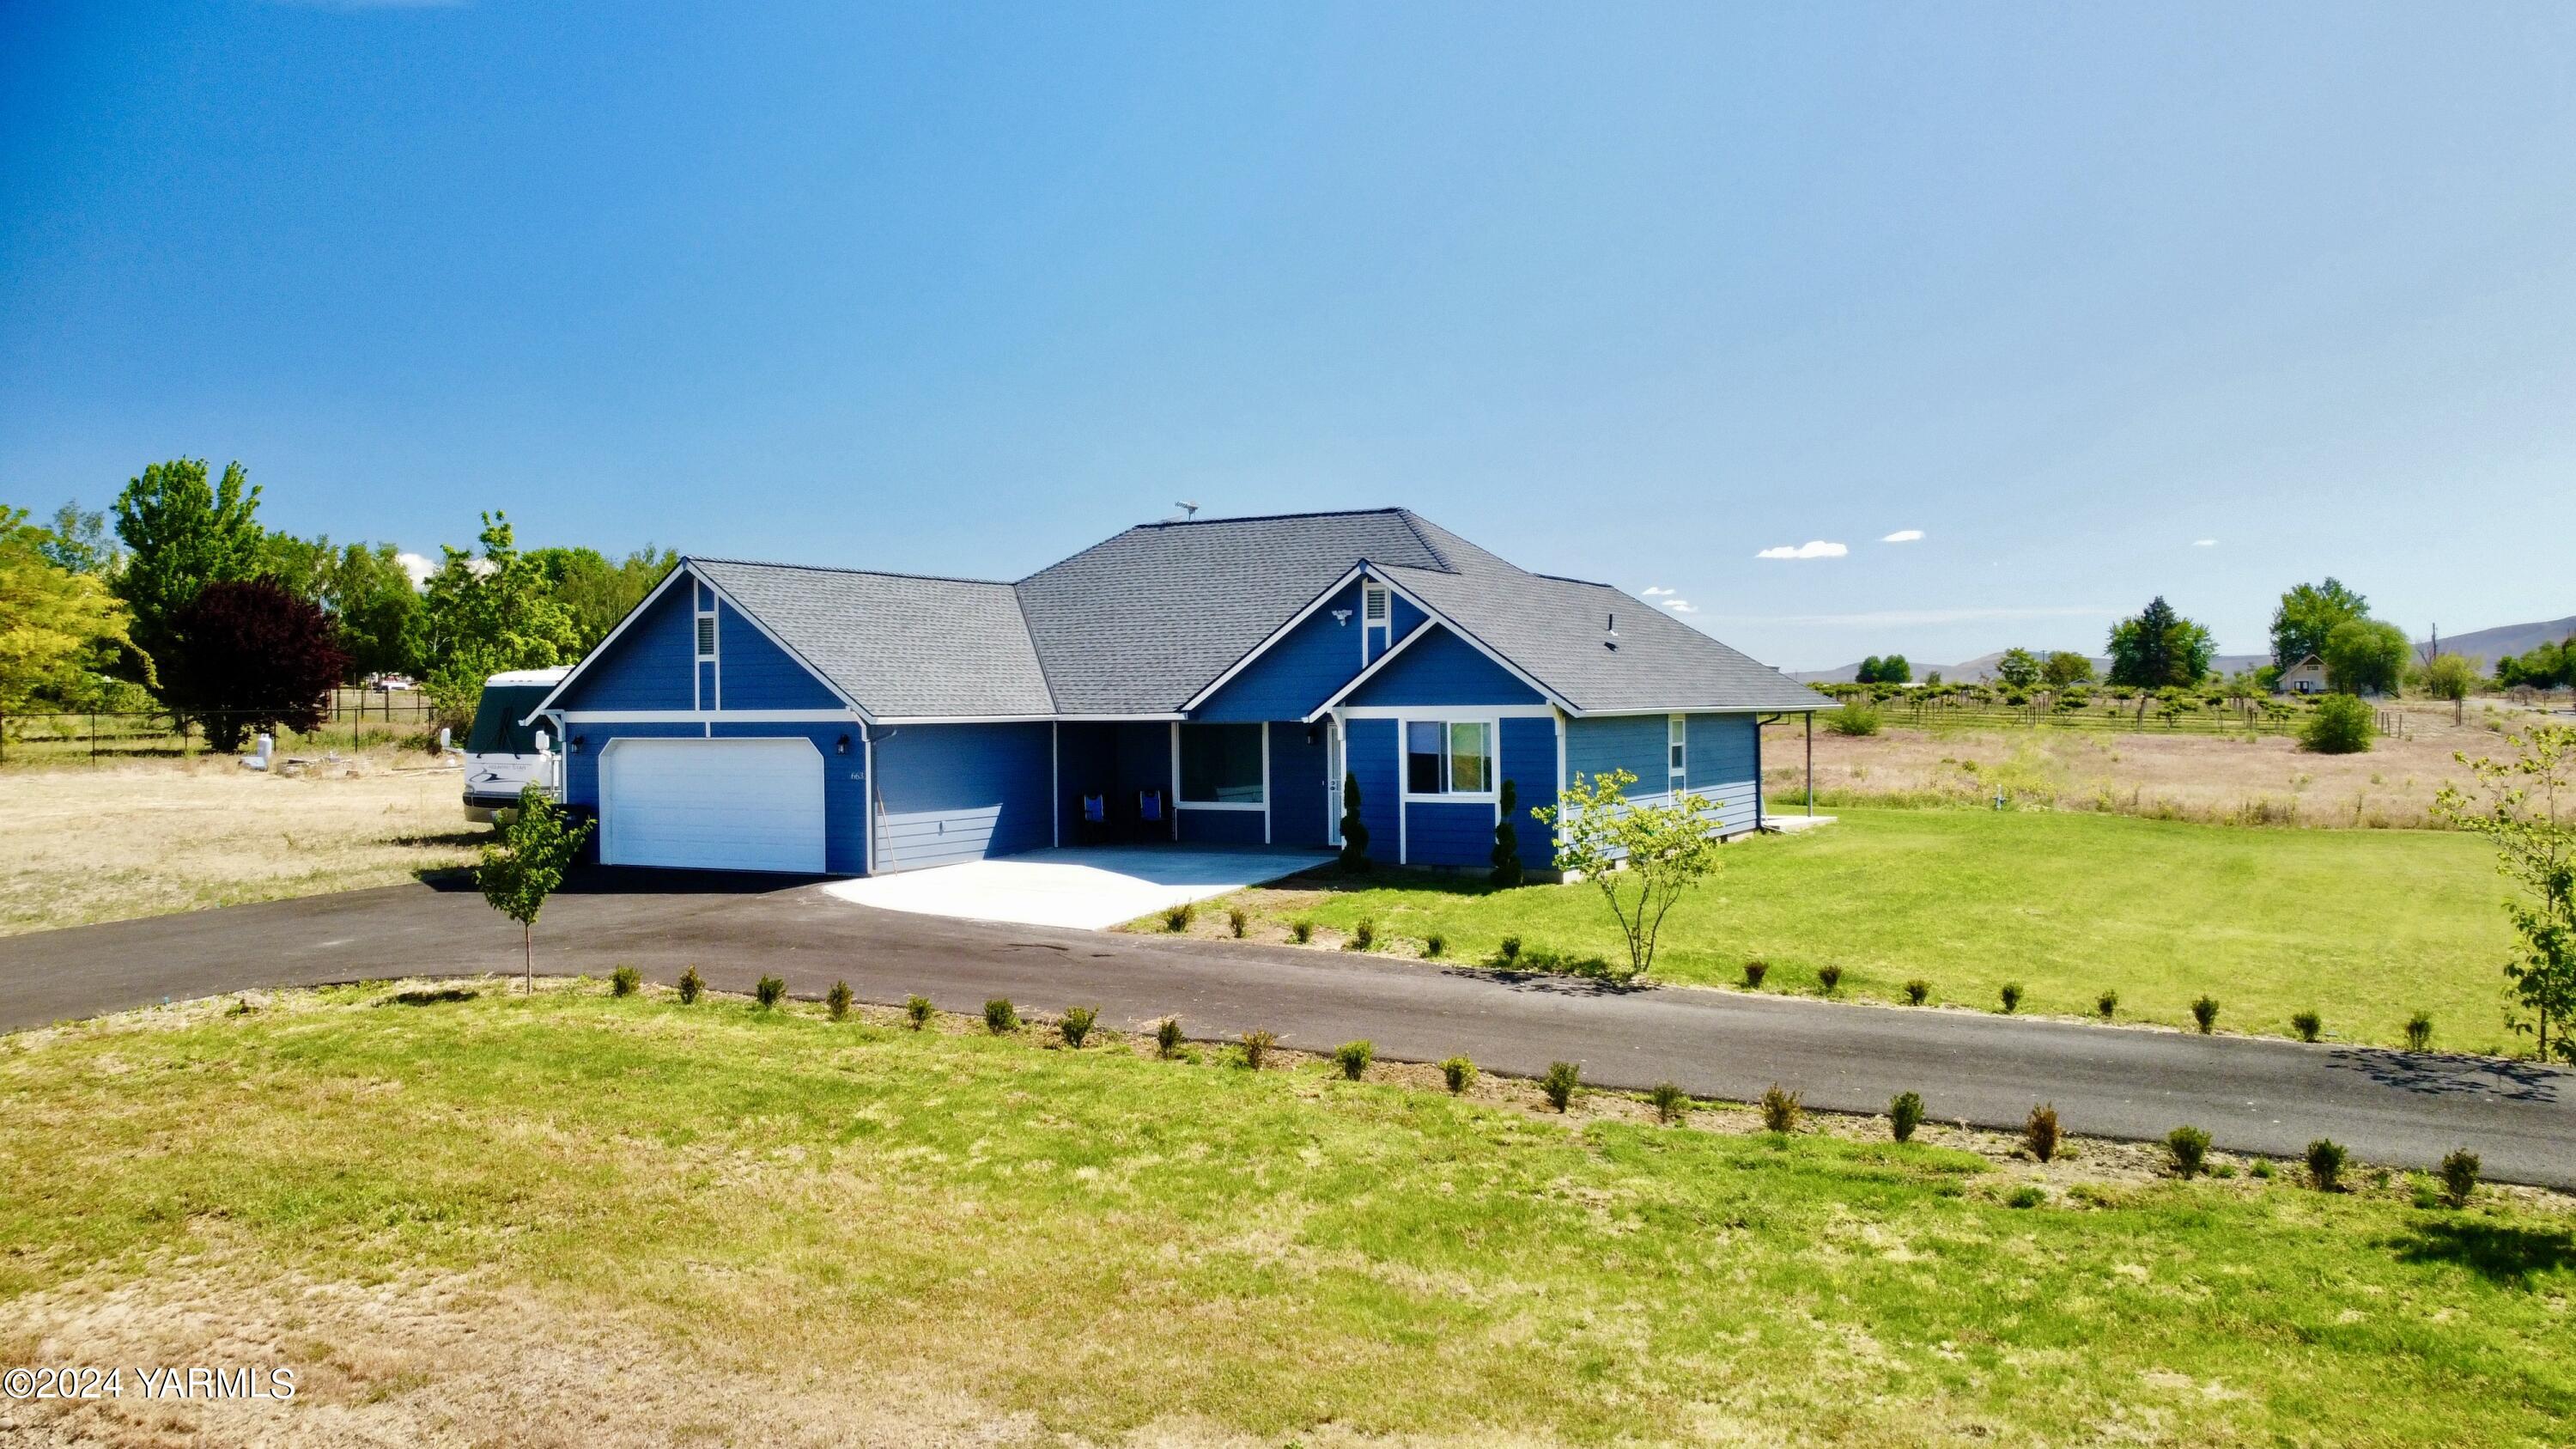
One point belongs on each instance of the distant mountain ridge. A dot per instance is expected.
(2487, 645)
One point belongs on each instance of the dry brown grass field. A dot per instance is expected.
(107, 842)
(2221, 779)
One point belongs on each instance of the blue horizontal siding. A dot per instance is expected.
(647, 666)
(953, 793)
(1529, 762)
(1442, 669)
(1723, 767)
(1298, 672)
(1220, 827)
(757, 674)
(1369, 748)
(1441, 832)
(1634, 743)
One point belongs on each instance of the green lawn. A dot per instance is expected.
(2364, 927)
(1101, 1243)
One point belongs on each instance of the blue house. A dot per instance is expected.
(1200, 682)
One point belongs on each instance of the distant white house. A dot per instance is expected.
(2308, 676)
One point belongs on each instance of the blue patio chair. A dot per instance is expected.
(1149, 807)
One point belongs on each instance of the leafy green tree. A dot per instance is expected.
(1355, 833)
(2527, 807)
(249, 655)
(2064, 668)
(58, 626)
(371, 597)
(182, 533)
(479, 616)
(2543, 666)
(1507, 871)
(2019, 668)
(2449, 676)
(2339, 725)
(1666, 849)
(517, 875)
(599, 593)
(2158, 647)
(79, 542)
(1868, 671)
(1895, 670)
(2365, 656)
(2307, 614)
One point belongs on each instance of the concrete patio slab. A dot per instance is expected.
(1085, 887)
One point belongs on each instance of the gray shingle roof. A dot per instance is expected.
(899, 644)
(1139, 623)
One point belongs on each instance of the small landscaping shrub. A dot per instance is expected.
(1754, 971)
(1256, 1047)
(2459, 1177)
(2262, 1168)
(1904, 1114)
(1301, 932)
(1238, 921)
(2325, 1164)
(1077, 1024)
(1670, 1102)
(1000, 1016)
(1459, 1073)
(837, 1000)
(692, 986)
(1364, 935)
(2189, 1148)
(916, 1010)
(1854, 718)
(2107, 1003)
(2011, 995)
(1829, 976)
(767, 990)
(1511, 949)
(2341, 724)
(1178, 918)
(2039, 1133)
(2028, 1195)
(2419, 1032)
(2307, 1024)
(1559, 1083)
(1434, 944)
(1781, 1110)
(1917, 991)
(2205, 1011)
(625, 981)
(1167, 1036)
(1353, 1057)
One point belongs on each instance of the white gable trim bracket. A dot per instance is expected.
(688, 569)
(1358, 571)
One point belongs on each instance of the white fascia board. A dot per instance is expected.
(1364, 676)
(678, 571)
(708, 716)
(1821, 704)
(1257, 650)
(783, 647)
(1480, 646)
(1446, 711)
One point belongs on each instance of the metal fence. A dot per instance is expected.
(355, 718)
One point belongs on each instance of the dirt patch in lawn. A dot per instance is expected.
(148, 838)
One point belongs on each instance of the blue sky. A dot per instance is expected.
(1627, 292)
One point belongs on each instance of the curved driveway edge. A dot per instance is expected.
(2252, 1094)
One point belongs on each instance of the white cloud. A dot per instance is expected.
(1812, 548)
(2204, 543)
(419, 568)
(1904, 535)
(1680, 606)
(1651, 593)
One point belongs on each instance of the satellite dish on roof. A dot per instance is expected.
(1188, 511)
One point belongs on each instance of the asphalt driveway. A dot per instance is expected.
(2251, 1094)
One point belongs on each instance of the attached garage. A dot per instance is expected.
(712, 804)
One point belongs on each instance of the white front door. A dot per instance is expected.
(712, 804)
(1333, 783)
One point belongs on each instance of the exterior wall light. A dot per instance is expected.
(841, 746)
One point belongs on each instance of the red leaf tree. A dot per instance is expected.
(250, 656)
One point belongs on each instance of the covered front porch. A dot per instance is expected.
(1248, 784)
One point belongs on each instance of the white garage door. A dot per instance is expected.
(712, 804)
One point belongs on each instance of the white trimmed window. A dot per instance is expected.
(1377, 619)
(1678, 740)
(1221, 766)
(1449, 757)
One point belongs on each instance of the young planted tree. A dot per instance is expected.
(518, 874)
(1507, 869)
(1640, 857)
(2527, 806)
(1355, 835)
(250, 655)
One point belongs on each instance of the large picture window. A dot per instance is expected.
(1221, 765)
(1448, 757)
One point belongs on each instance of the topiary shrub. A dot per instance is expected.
(692, 986)
(2340, 725)
(1507, 871)
(2325, 1164)
(1167, 1036)
(1781, 1110)
(837, 1000)
(1670, 1102)
(2419, 1032)
(625, 981)
(1904, 1114)
(1000, 1017)
(2459, 1177)
(1355, 835)
(917, 1010)
(2307, 1024)
(1917, 991)
(767, 990)
(1076, 1024)
(1458, 1073)
(1754, 971)
(1256, 1047)
(2107, 1003)
(1829, 976)
(2205, 1011)
(2039, 1131)
(2011, 995)
(2189, 1148)
(1353, 1057)
(1560, 1083)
